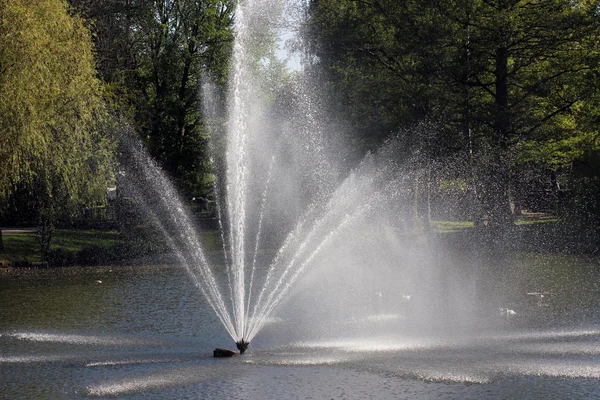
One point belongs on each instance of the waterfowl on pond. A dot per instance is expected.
(540, 296)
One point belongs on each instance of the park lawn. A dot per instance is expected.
(451, 226)
(457, 226)
(75, 239)
(536, 221)
(24, 247)
(20, 247)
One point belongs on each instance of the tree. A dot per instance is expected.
(155, 54)
(51, 112)
(363, 55)
(494, 72)
(530, 53)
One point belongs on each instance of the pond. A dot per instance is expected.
(146, 332)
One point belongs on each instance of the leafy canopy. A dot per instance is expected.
(51, 111)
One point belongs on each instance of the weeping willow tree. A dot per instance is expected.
(53, 144)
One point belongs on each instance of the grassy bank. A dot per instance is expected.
(546, 235)
(22, 248)
(96, 247)
(458, 226)
(88, 247)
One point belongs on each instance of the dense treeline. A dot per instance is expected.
(511, 84)
(153, 56)
(508, 90)
(73, 72)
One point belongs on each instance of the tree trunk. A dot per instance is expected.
(183, 110)
(498, 179)
(428, 198)
(1, 241)
(184, 101)
(474, 212)
(46, 216)
(45, 232)
(421, 202)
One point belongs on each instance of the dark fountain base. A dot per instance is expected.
(241, 345)
(221, 353)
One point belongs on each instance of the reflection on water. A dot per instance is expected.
(145, 332)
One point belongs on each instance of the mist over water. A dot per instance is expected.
(307, 231)
(277, 195)
(325, 261)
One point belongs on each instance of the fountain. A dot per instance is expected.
(297, 210)
(323, 266)
(283, 196)
(299, 221)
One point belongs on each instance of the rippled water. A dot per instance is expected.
(145, 332)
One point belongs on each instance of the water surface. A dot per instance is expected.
(146, 332)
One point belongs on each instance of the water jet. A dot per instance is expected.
(332, 247)
(329, 250)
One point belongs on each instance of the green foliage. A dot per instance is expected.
(364, 51)
(154, 56)
(52, 116)
(513, 82)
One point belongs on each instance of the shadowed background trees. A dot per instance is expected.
(508, 90)
(510, 84)
(153, 56)
(71, 71)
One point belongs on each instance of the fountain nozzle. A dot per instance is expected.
(242, 346)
